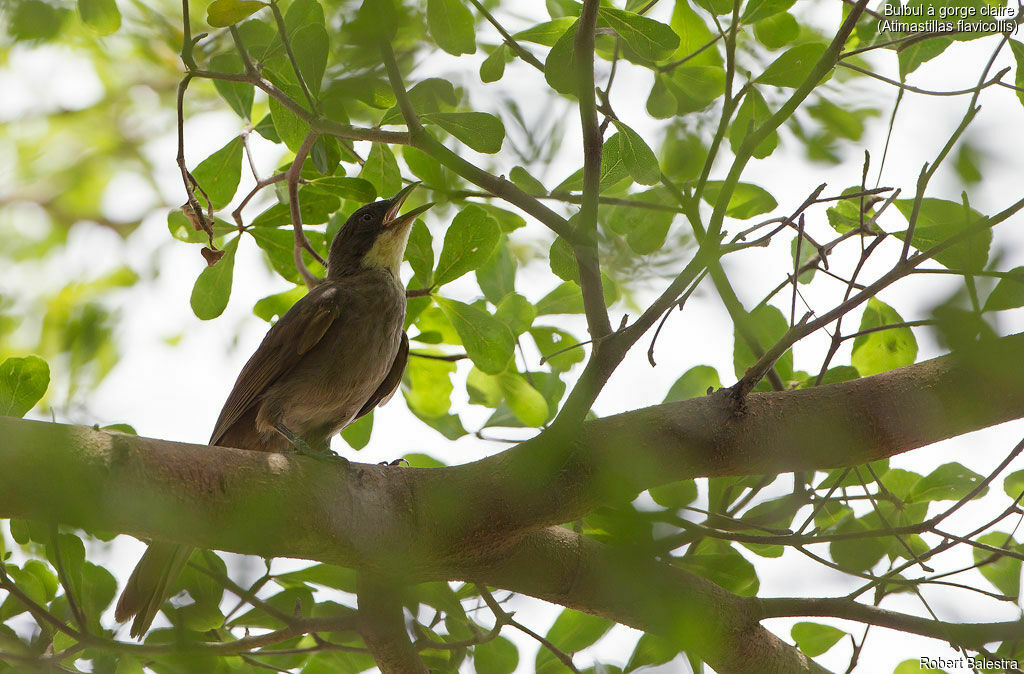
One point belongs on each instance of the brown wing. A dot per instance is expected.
(390, 384)
(294, 334)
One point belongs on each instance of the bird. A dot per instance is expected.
(338, 353)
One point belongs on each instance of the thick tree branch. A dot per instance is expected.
(474, 522)
(420, 521)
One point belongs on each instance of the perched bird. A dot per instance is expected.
(334, 356)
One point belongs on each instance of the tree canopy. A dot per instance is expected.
(603, 172)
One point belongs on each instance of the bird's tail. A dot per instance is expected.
(149, 584)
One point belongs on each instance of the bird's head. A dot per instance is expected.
(373, 237)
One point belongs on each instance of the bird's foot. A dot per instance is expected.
(321, 453)
(396, 462)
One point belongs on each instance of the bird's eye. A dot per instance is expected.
(367, 217)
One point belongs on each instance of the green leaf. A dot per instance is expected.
(650, 39)
(516, 312)
(356, 189)
(560, 65)
(480, 131)
(213, 287)
(23, 382)
(274, 306)
(526, 182)
(814, 639)
(357, 434)
(488, 341)
(484, 389)
(493, 66)
(768, 325)
(550, 341)
(219, 174)
(882, 350)
(419, 251)
(645, 229)
(567, 298)
(694, 383)
(223, 13)
(289, 127)
(639, 159)
(651, 650)
(1000, 570)
(381, 170)
(675, 494)
(451, 25)
(315, 207)
(497, 656)
(279, 245)
(793, 66)
(101, 15)
(572, 632)
(752, 113)
(949, 482)
(695, 87)
(856, 555)
(1018, 54)
(423, 166)
(497, 276)
(777, 31)
(468, 243)
(937, 221)
(693, 34)
(526, 402)
(311, 45)
(613, 166)
(427, 386)
(1013, 484)
(238, 95)
(745, 202)
(726, 568)
(547, 33)
(562, 261)
(427, 96)
(756, 10)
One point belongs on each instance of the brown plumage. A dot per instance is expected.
(335, 355)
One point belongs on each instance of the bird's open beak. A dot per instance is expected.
(391, 216)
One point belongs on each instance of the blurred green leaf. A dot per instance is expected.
(493, 66)
(560, 65)
(357, 433)
(222, 13)
(1018, 54)
(498, 656)
(546, 33)
(427, 386)
(757, 10)
(777, 30)
(419, 251)
(101, 15)
(516, 312)
(768, 325)
(572, 631)
(451, 25)
(23, 383)
(675, 494)
(526, 182)
(651, 649)
(752, 113)
(551, 341)
(695, 87)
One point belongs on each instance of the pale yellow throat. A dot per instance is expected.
(388, 250)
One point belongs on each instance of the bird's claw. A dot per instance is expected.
(300, 446)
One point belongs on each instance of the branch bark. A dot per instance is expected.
(485, 521)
